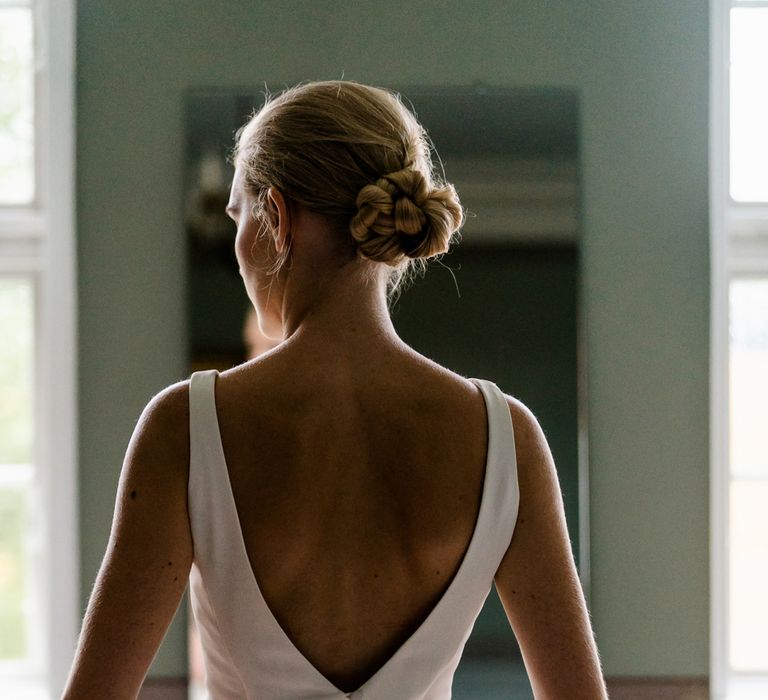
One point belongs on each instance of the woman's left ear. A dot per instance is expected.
(283, 219)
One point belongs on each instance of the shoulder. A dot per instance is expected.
(536, 471)
(162, 431)
(170, 402)
(168, 408)
(541, 498)
(529, 435)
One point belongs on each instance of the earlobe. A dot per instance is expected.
(283, 216)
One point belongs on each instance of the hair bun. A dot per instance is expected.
(402, 216)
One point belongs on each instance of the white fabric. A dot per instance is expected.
(245, 651)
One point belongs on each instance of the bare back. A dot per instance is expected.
(357, 494)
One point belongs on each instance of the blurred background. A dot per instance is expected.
(611, 275)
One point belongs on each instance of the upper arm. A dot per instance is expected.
(146, 565)
(537, 579)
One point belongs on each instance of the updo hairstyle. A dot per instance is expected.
(355, 154)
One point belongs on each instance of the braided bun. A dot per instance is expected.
(402, 216)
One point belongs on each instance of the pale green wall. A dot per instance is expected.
(641, 71)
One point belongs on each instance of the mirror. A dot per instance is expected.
(503, 305)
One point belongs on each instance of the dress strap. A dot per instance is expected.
(205, 494)
(201, 390)
(202, 419)
(502, 459)
(211, 521)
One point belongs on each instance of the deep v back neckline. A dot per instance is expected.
(440, 609)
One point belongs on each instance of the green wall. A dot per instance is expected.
(641, 73)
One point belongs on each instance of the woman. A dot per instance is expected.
(341, 505)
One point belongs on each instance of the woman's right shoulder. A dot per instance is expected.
(533, 459)
(535, 465)
(529, 435)
(531, 446)
(527, 429)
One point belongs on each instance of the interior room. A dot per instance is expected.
(610, 274)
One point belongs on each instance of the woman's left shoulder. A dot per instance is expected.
(170, 403)
(163, 427)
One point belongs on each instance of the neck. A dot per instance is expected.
(330, 299)
(341, 313)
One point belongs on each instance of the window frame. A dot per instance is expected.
(38, 240)
(738, 250)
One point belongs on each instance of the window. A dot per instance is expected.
(16, 103)
(16, 469)
(749, 102)
(739, 222)
(38, 543)
(748, 492)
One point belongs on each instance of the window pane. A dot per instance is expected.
(16, 105)
(749, 104)
(749, 377)
(16, 370)
(13, 584)
(16, 468)
(749, 475)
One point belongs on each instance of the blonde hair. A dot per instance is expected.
(355, 154)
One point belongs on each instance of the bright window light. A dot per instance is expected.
(748, 556)
(749, 104)
(16, 469)
(16, 106)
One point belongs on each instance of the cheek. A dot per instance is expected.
(248, 247)
(255, 257)
(241, 248)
